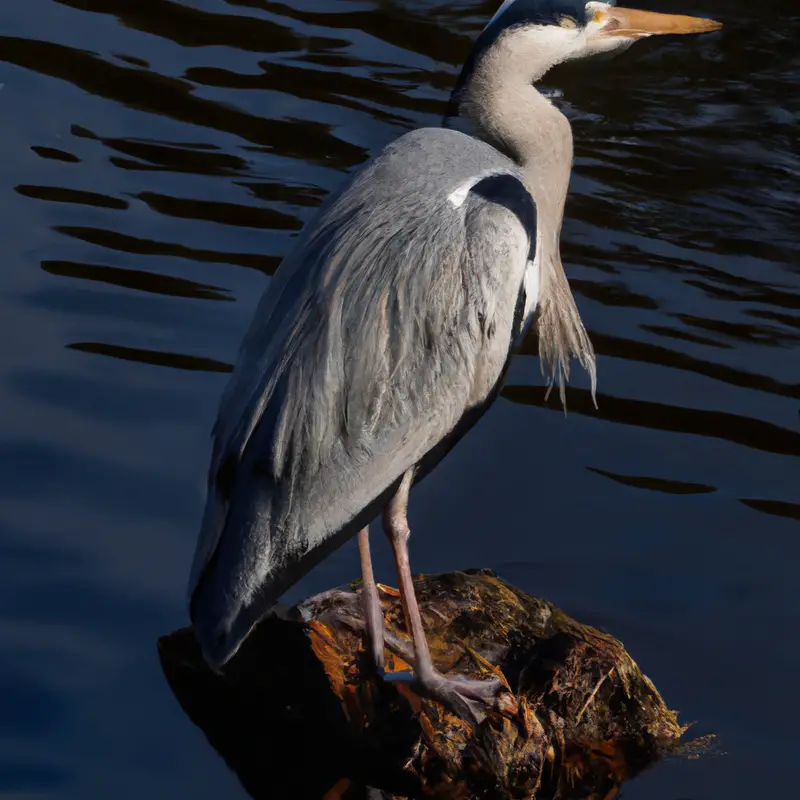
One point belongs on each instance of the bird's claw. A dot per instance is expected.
(467, 699)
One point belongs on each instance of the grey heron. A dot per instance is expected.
(387, 332)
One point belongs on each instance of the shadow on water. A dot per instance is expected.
(160, 157)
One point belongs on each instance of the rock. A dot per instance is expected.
(299, 712)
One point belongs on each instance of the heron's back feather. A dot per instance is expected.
(390, 320)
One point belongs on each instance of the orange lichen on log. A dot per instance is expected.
(585, 718)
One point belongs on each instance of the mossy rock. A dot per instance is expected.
(299, 713)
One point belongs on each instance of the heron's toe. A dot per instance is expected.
(467, 699)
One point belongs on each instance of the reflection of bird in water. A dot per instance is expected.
(387, 333)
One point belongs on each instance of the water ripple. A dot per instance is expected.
(160, 158)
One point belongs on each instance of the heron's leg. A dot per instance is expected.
(464, 697)
(373, 613)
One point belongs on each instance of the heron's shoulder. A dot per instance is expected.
(448, 143)
(425, 172)
(435, 160)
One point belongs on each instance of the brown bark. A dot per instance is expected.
(299, 713)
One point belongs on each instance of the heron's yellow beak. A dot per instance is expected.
(635, 24)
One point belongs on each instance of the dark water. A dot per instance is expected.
(157, 159)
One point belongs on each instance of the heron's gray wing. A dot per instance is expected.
(391, 320)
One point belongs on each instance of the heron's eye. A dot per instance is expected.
(567, 22)
(596, 11)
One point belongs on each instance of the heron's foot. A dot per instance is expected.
(467, 699)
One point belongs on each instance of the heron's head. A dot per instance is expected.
(528, 37)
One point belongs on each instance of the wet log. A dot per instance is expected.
(299, 712)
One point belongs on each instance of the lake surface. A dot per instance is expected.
(157, 158)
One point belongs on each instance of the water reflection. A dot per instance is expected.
(160, 157)
(147, 247)
(679, 419)
(156, 357)
(137, 279)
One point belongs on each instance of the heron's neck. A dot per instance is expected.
(520, 122)
(509, 113)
